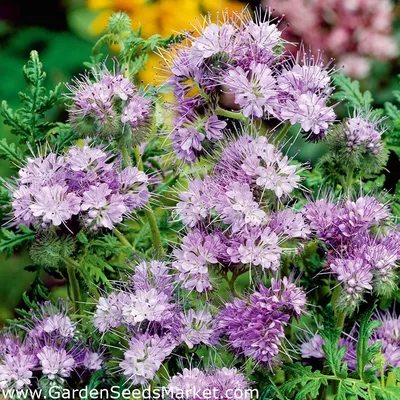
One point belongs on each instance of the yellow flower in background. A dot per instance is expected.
(164, 17)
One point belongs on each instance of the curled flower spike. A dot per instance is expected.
(237, 64)
(80, 184)
(110, 106)
(254, 327)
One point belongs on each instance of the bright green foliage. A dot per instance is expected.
(134, 48)
(392, 137)
(11, 241)
(366, 354)
(305, 383)
(28, 121)
(350, 92)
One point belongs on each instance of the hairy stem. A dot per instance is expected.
(230, 114)
(334, 299)
(151, 218)
(126, 157)
(122, 238)
(349, 180)
(282, 133)
(73, 281)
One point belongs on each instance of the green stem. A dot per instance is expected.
(126, 157)
(122, 238)
(231, 284)
(349, 179)
(391, 379)
(334, 299)
(382, 376)
(73, 281)
(230, 114)
(282, 133)
(340, 319)
(138, 157)
(151, 218)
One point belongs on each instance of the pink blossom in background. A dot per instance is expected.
(351, 31)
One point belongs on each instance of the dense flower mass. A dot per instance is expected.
(193, 295)
(214, 384)
(238, 64)
(148, 308)
(255, 327)
(352, 32)
(361, 259)
(50, 348)
(228, 223)
(109, 106)
(82, 184)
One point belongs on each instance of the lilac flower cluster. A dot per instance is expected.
(227, 213)
(83, 184)
(361, 259)
(388, 334)
(362, 132)
(148, 309)
(254, 327)
(238, 64)
(357, 143)
(109, 106)
(50, 345)
(221, 383)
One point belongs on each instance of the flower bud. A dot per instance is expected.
(118, 23)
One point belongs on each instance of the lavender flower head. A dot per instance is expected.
(96, 107)
(214, 384)
(144, 358)
(17, 364)
(254, 327)
(243, 57)
(82, 184)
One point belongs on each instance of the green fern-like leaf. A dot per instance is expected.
(334, 355)
(304, 382)
(350, 91)
(386, 393)
(365, 353)
(11, 152)
(28, 122)
(10, 241)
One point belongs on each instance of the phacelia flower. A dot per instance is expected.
(109, 312)
(83, 184)
(196, 327)
(55, 362)
(254, 328)
(110, 106)
(144, 358)
(192, 259)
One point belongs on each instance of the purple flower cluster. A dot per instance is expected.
(82, 184)
(50, 345)
(363, 133)
(254, 327)
(147, 307)
(109, 106)
(223, 383)
(227, 213)
(361, 259)
(238, 63)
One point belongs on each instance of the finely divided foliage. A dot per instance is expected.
(198, 255)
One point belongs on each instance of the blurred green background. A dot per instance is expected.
(64, 32)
